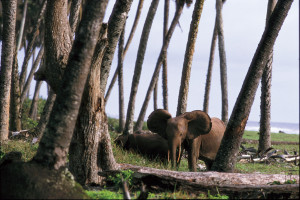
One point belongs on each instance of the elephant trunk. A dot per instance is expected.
(175, 155)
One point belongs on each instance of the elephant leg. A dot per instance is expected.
(193, 154)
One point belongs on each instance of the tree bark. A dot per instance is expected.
(209, 70)
(74, 15)
(54, 145)
(22, 25)
(265, 99)
(9, 9)
(116, 24)
(121, 83)
(227, 155)
(135, 23)
(188, 58)
(223, 64)
(128, 129)
(165, 63)
(234, 185)
(160, 59)
(33, 111)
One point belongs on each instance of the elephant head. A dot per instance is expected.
(187, 126)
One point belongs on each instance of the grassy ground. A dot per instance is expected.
(122, 156)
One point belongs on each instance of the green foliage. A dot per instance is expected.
(27, 150)
(217, 196)
(294, 181)
(28, 123)
(126, 175)
(104, 194)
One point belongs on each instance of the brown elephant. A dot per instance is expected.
(149, 145)
(199, 134)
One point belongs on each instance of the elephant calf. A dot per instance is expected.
(149, 145)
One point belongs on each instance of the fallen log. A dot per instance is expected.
(234, 185)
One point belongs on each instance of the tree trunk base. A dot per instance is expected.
(29, 180)
(234, 185)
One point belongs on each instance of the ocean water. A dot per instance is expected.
(290, 128)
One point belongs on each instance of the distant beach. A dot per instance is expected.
(276, 127)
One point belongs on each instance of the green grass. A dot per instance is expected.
(283, 137)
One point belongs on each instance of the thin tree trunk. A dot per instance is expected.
(223, 64)
(9, 9)
(265, 99)
(135, 23)
(30, 76)
(15, 123)
(188, 58)
(165, 66)
(74, 15)
(22, 25)
(160, 59)
(155, 96)
(30, 46)
(116, 24)
(121, 83)
(229, 148)
(54, 145)
(91, 126)
(209, 70)
(40, 128)
(128, 129)
(35, 100)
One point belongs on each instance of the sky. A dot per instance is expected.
(243, 23)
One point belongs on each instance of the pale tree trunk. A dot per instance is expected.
(121, 82)
(209, 70)
(163, 51)
(116, 24)
(227, 155)
(85, 159)
(223, 64)
(35, 100)
(40, 128)
(135, 23)
(22, 25)
(188, 58)
(9, 9)
(54, 145)
(15, 123)
(30, 76)
(128, 129)
(165, 66)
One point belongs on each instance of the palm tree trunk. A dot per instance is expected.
(35, 99)
(265, 102)
(163, 51)
(226, 157)
(128, 129)
(135, 23)
(54, 145)
(165, 66)
(223, 65)
(209, 70)
(188, 58)
(116, 24)
(121, 85)
(9, 10)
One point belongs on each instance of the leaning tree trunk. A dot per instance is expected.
(159, 61)
(116, 24)
(135, 23)
(209, 69)
(223, 65)
(91, 125)
(128, 129)
(229, 148)
(265, 99)
(121, 82)
(22, 25)
(165, 66)
(33, 111)
(46, 176)
(15, 123)
(188, 58)
(74, 15)
(9, 9)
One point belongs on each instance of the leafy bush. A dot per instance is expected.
(126, 175)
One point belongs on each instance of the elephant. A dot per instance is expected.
(149, 145)
(199, 134)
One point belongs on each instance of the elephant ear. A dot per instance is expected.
(199, 123)
(157, 121)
